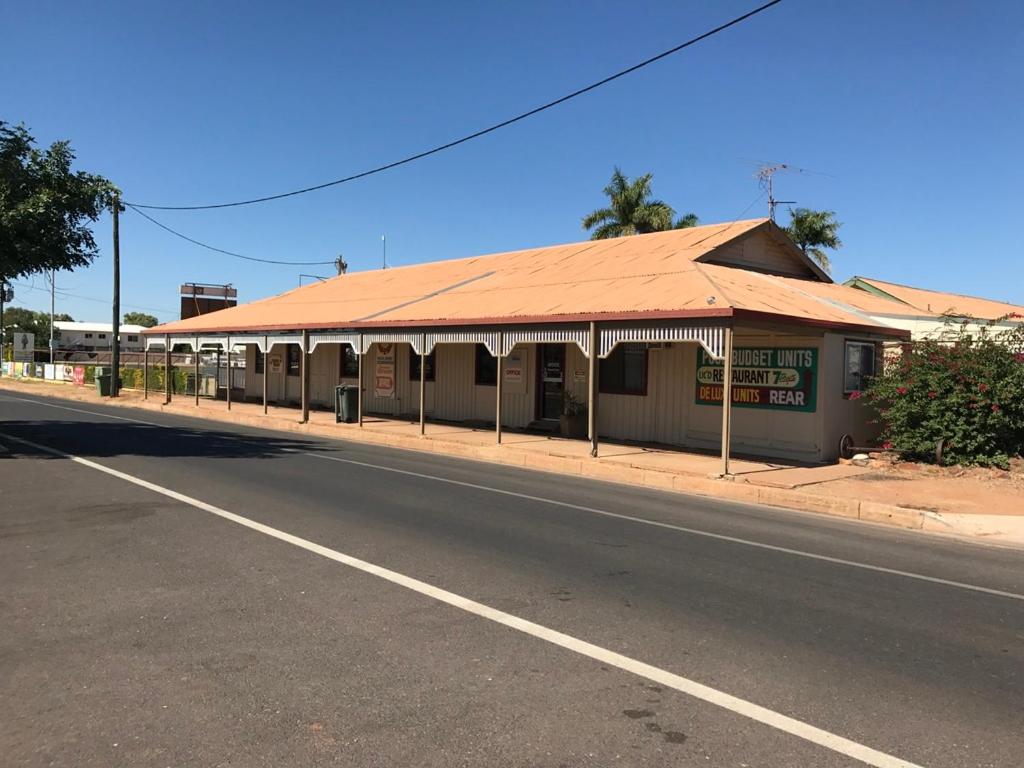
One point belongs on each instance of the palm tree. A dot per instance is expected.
(812, 230)
(631, 211)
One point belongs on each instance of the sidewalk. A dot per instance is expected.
(989, 506)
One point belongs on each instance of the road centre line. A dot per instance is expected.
(742, 707)
(605, 513)
(682, 529)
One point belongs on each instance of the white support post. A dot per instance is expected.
(145, 372)
(727, 402)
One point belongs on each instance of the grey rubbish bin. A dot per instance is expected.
(346, 403)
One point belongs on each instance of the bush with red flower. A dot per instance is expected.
(965, 389)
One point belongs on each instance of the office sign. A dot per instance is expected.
(774, 378)
(513, 369)
(384, 371)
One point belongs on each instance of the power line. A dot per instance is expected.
(66, 295)
(145, 215)
(470, 137)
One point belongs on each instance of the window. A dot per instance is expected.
(624, 371)
(414, 365)
(103, 335)
(88, 335)
(294, 359)
(858, 365)
(132, 338)
(258, 364)
(348, 368)
(486, 367)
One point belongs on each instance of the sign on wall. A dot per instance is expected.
(384, 371)
(276, 364)
(79, 376)
(776, 378)
(514, 371)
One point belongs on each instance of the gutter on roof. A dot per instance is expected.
(725, 312)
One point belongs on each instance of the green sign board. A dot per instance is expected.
(777, 378)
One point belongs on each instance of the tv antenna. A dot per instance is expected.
(341, 265)
(764, 178)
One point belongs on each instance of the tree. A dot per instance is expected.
(814, 230)
(631, 211)
(45, 207)
(140, 318)
(28, 321)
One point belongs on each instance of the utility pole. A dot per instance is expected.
(53, 291)
(115, 345)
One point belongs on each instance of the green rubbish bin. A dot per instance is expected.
(346, 403)
(103, 384)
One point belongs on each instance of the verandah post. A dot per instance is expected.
(359, 392)
(423, 384)
(266, 371)
(727, 401)
(195, 349)
(304, 359)
(167, 370)
(228, 349)
(501, 372)
(592, 391)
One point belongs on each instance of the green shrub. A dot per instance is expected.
(964, 389)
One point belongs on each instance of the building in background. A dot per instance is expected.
(95, 337)
(930, 314)
(203, 298)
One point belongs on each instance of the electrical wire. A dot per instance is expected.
(145, 215)
(464, 139)
(66, 295)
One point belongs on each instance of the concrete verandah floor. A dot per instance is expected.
(403, 431)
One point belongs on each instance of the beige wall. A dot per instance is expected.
(667, 414)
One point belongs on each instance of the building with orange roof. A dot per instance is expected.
(933, 314)
(648, 335)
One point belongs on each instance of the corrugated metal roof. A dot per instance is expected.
(936, 302)
(656, 275)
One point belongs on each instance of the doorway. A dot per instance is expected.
(551, 380)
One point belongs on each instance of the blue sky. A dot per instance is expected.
(907, 116)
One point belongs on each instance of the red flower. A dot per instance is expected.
(856, 395)
(887, 445)
(983, 387)
(901, 390)
(995, 408)
(933, 394)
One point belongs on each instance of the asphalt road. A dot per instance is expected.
(137, 629)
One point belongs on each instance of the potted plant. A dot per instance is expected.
(573, 421)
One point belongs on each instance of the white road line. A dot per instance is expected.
(739, 706)
(681, 528)
(606, 513)
(81, 410)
